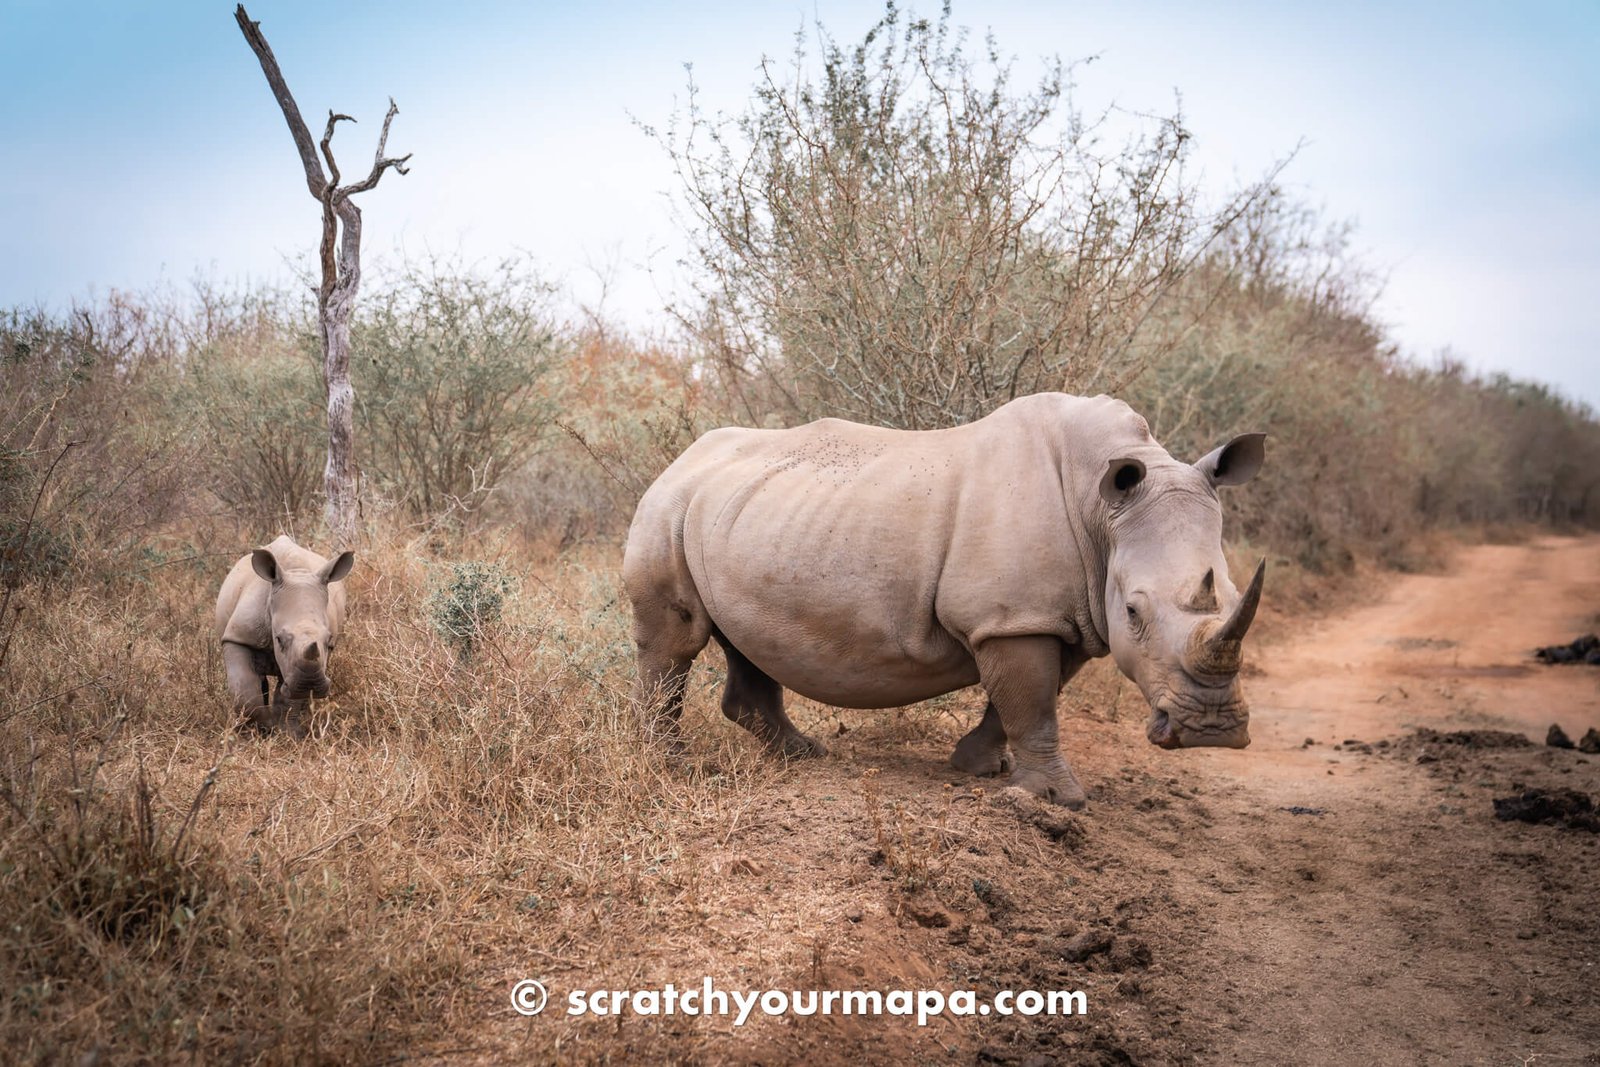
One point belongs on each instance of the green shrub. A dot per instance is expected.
(260, 422)
(453, 391)
(466, 600)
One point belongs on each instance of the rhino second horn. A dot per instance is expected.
(1205, 598)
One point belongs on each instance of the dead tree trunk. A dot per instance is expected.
(340, 256)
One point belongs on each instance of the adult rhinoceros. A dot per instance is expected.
(870, 568)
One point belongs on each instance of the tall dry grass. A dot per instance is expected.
(175, 889)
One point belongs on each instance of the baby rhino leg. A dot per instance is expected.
(248, 680)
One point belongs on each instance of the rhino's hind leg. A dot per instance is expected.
(755, 701)
(1023, 676)
(983, 751)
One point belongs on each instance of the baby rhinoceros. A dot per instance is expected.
(279, 616)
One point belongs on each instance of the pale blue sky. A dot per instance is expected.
(139, 144)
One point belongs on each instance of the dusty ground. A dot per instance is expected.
(1396, 922)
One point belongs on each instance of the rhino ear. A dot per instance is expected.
(1235, 462)
(1120, 478)
(335, 571)
(265, 565)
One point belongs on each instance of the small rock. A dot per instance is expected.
(1557, 737)
(1590, 742)
(1089, 943)
(855, 915)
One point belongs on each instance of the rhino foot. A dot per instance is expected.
(984, 761)
(797, 745)
(277, 719)
(1057, 784)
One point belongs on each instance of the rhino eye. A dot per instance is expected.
(283, 641)
(1133, 614)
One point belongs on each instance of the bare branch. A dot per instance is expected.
(316, 181)
(379, 163)
(327, 150)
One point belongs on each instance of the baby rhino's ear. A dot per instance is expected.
(335, 571)
(1235, 462)
(265, 564)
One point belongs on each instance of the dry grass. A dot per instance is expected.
(183, 890)
(330, 898)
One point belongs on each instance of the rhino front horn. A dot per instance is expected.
(1244, 613)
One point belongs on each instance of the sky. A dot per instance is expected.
(140, 147)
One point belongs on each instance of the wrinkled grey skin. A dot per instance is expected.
(279, 615)
(865, 567)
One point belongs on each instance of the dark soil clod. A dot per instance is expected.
(1557, 737)
(1585, 649)
(1089, 943)
(1590, 742)
(1298, 810)
(1567, 808)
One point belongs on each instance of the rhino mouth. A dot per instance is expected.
(301, 688)
(1160, 731)
(1165, 731)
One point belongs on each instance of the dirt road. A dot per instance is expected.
(1305, 900)
(1407, 925)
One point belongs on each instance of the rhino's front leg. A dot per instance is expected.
(246, 682)
(287, 714)
(249, 684)
(1023, 676)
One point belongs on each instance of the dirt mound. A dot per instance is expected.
(1474, 739)
(1427, 745)
(1566, 808)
